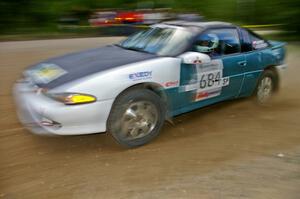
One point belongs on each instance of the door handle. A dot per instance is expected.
(242, 63)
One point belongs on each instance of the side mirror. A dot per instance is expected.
(195, 58)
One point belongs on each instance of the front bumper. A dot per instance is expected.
(35, 111)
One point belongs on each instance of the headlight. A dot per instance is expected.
(72, 98)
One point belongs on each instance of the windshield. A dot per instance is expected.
(160, 41)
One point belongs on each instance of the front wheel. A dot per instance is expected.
(266, 87)
(136, 117)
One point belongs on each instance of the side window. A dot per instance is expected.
(229, 40)
(251, 41)
(246, 43)
(218, 42)
(208, 43)
(257, 41)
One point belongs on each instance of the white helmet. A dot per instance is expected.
(207, 43)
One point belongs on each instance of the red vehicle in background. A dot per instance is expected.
(142, 16)
(129, 17)
(103, 18)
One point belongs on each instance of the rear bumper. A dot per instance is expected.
(42, 115)
(281, 69)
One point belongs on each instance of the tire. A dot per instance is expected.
(136, 117)
(266, 87)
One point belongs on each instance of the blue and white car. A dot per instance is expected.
(131, 88)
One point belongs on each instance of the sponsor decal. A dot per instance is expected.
(171, 84)
(208, 80)
(259, 44)
(197, 61)
(208, 77)
(46, 72)
(140, 75)
(205, 95)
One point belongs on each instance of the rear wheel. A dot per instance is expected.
(136, 117)
(266, 87)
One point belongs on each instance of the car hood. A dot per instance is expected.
(59, 70)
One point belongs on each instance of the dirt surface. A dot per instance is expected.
(234, 149)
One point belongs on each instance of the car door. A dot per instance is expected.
(253, 47)
(218, 80)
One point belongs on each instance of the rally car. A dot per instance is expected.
(129, 89)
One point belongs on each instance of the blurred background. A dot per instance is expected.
(30, 19)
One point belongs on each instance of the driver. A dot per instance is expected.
(208, 44)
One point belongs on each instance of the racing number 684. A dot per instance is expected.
(209, 79)
(213, 79)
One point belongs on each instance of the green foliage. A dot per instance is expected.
(34, 15)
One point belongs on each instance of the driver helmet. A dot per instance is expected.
(207, 43)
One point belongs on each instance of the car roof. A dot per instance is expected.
(201, 25)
